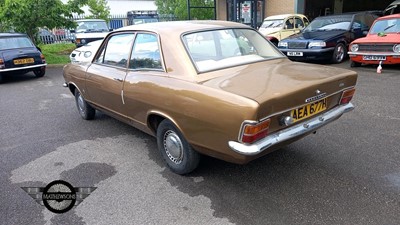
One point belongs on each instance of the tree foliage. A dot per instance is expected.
(27, 16)
(99, 9)
(179, 8)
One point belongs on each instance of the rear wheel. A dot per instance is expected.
(86, 111)
(40, 72)
(176, 151)
(339, 53)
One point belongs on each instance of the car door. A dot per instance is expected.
(106, 75)
(288, 28)
(146, 71)
(298, 24)
(361, 25)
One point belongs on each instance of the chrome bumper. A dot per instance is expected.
(23, 68)
(291, 132)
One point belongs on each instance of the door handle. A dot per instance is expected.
(118, 79)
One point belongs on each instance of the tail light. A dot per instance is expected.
(43, 58)
(347, 95)
(2, 66)
(252, 132)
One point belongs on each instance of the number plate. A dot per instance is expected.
(23, 61)
(374, 57)
(295, 53)
(309, 110)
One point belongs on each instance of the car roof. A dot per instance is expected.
(346, 14)
(13, 35)
(184, 26)
(282, 16)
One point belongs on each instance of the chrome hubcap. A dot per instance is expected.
(339, 53)
(81, 104)
(173, 146)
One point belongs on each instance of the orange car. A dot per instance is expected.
(381, 45)
(216, 88)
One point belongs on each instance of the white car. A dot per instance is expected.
(86, 52)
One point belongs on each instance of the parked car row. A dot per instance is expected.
(363, 36)
(327, 37)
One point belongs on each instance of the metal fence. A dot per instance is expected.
(63, 35)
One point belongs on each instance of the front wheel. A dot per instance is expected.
(339, 53)
(86, 111)
(176, 151)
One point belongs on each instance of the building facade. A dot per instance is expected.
(252, 12)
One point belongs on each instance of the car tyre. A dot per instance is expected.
(339, 54)
(86, 111)
(176, 151)
(355, 64)
(40, 72)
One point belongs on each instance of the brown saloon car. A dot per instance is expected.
(216, 88)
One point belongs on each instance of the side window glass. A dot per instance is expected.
(306, 22)
(146, 53)
(298, 24)
(289, 23)
(100, 58)
(370, 20)
(117, 50)
(360, 22)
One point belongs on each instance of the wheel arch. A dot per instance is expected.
(72, 86)
(274, 40)
(154, 118)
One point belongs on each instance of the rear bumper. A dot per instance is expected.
(291, 132)
(23, 68)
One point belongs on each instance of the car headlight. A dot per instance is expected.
(354, 48)
(317, 44)
(396, 48)
(283, 44)
(87, 54)
(83, 41)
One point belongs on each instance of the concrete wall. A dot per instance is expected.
(275, 7)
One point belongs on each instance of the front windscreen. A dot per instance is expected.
(91, 26)
(330, 23)
(386, 26)
(217, 49)
(272, 24)
(15, 42)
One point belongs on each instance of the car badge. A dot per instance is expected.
(318, 95)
